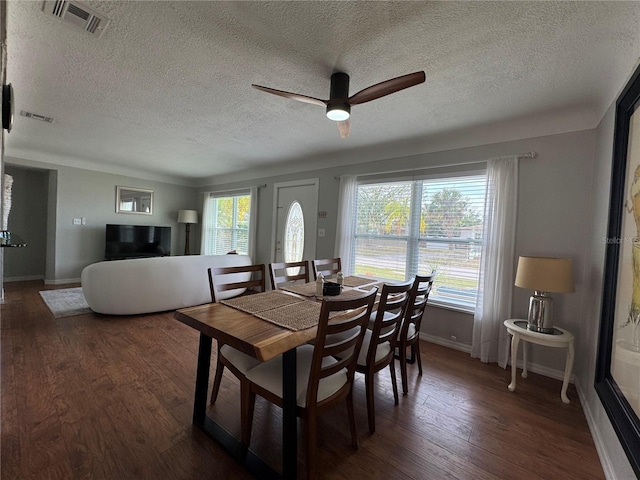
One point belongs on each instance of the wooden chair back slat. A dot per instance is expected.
(327, 344)
(328, 267)
(418, 297)
(280, 273)
(393, 302)
(219, 279)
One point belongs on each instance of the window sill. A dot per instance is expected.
(449, 306)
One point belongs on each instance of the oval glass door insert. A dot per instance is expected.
(294, 236)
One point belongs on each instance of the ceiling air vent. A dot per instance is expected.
(77, 14)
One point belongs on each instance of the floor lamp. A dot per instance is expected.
(187, 217)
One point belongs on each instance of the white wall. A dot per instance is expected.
(562, 210)
(612, 455)
(3, 77)
(28, 219)
(554, 215)
(76, 193)
(553, 219)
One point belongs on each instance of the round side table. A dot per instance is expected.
(560, 338)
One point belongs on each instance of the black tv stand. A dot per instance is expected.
(133, 257)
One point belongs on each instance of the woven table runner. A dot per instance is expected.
(347, 294)
(352, 281)
(261, 302)
(304, 289)
(298, 316)
(309, 290)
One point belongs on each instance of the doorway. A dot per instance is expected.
(295, 218)
(28, 219)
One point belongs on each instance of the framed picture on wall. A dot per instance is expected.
(134, 200)
(618, 364)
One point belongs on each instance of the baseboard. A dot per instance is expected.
(601, 448)
(463, 347)
(26, 278)
(62, 281)
(445, 342)
(545, 371)
(603, 454)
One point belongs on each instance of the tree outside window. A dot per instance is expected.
(226, 224)
(405, 228)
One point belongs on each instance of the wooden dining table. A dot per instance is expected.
(264, 341)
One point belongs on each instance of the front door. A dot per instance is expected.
(296, 217)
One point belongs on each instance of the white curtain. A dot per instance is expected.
(346, 222)
(253, 223)
(204, 234)
(493, 305)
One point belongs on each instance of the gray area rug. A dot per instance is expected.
(65, 302)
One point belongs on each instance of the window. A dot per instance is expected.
(407, 227)
(226, 223)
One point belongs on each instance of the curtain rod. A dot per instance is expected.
(239, 189)
(531, 154)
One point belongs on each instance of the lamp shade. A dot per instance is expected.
(545, 274)
(187, 216)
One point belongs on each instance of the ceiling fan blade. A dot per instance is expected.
(387, 87)
(293, 96)
(344, 127)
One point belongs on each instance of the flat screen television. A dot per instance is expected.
(136, 241)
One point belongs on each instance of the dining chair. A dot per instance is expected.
(328, 267)
(283, 273)
(236, 281)
(379, 343)
(409, 334)
(322, 379)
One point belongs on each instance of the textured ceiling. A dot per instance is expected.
(165, 91)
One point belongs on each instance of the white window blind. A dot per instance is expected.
(226, 223)
(408, 227)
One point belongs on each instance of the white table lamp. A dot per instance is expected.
(543, 275)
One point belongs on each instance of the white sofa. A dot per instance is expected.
(144, 285)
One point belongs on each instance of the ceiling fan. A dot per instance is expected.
(340, 103)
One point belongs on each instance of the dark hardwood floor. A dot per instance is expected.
(94, 396)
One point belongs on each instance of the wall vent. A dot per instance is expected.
(77, 14)
(36, 116)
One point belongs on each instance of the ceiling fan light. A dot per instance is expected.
(338, 112)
